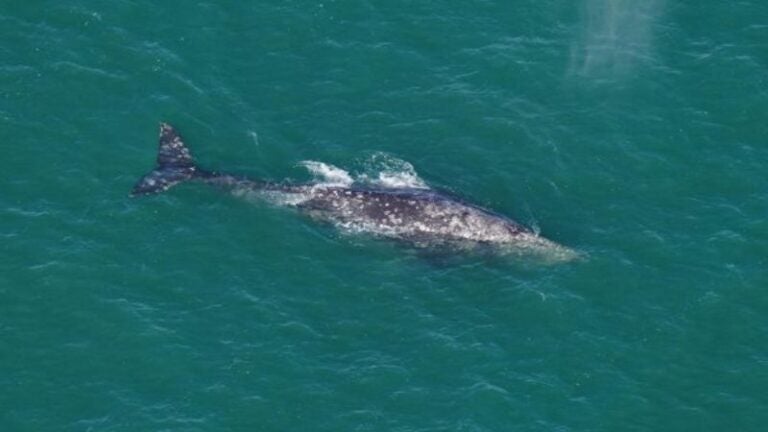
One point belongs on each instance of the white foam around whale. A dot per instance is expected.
(387, 171)
(380, 170)
(328, 174)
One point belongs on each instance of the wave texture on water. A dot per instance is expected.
(632, 130)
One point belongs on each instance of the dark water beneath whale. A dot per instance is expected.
(634, 132)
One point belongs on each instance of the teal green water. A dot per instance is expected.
(634, 132)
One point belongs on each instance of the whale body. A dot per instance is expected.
(421, 217)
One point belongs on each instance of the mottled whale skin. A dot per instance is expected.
(422, 217)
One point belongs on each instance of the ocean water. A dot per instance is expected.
(633, 132)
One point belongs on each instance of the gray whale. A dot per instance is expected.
(421, 217)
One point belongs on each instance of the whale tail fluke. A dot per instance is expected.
(174, 165)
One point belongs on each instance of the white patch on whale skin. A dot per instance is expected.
(274, 197)
(533, 245)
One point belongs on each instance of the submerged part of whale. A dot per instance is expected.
(422, 217)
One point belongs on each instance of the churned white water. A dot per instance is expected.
(328, 174)
(379, 170)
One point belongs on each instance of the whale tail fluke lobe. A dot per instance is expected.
(174, 165)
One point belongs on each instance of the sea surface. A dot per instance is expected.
(635, 132)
